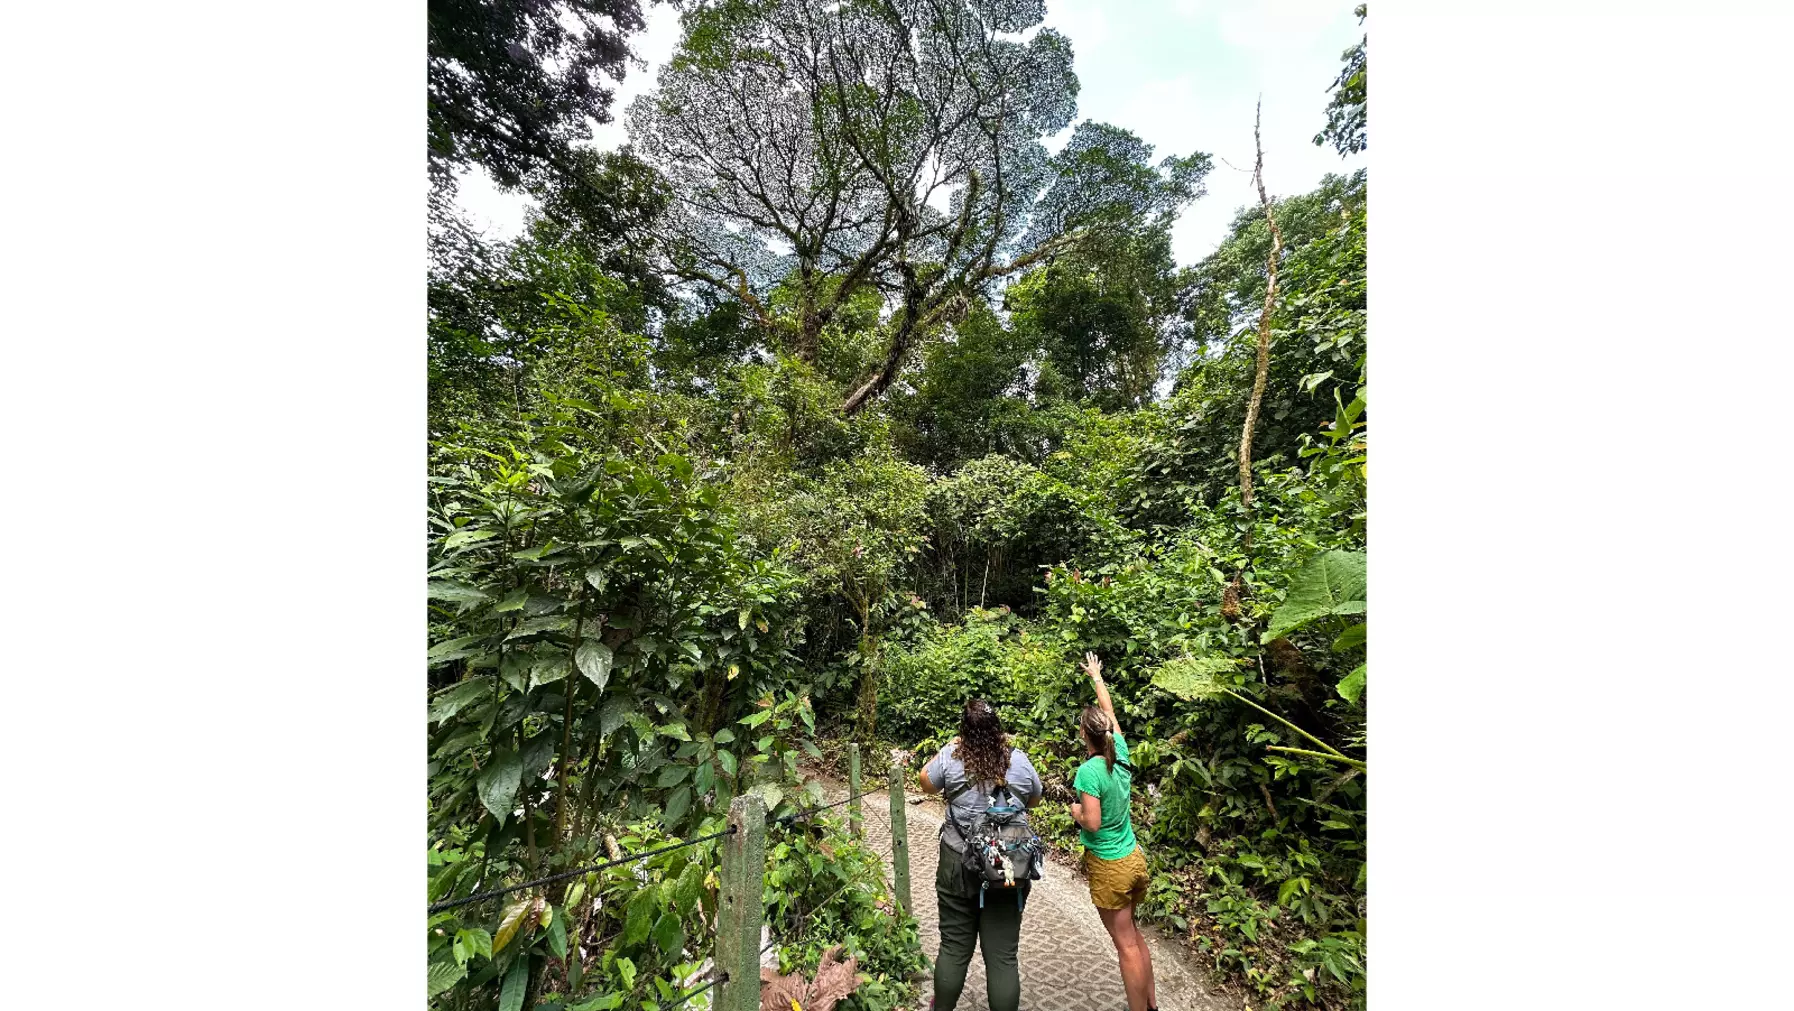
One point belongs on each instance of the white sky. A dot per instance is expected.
(1182, 74)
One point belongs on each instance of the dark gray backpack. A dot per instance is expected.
(1001, 847)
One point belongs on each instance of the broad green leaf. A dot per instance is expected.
(676, 731)
(1352, 685)
(724, 736)
(537, 753)
(1195, 677)
(454, 649)
(557, 933)
(498, 783)
(755, 719)
(678, 802)
(475, 941)
(444, 975)
(672, 775)
(639, 723)
(510, 995)
(727, 761)
(702, 781)
(575, 971)
(689, 889)
(616, 710)
(513, 601)
(595, 576)
(460, 593)
(538, 605)
(638, 919)
(550, 666)
(514, 668)
(769, 793)
(458, 696)
(1351, 638)
(1332, 583)
(461, 538)
(626, 969)
(511, 922)
(594, 660)
(669, 934)
(536, 626)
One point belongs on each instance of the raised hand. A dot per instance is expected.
(1093, 666)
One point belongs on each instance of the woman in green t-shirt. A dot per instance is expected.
(1113, 860)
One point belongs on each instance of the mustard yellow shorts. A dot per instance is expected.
(1116, 884)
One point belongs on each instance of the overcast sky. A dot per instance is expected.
(1182, 74)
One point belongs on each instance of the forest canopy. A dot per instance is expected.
(834, 399)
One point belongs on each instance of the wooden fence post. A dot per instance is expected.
(899, 841)
(740, 914)
(855, 822)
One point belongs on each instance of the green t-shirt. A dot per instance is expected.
(1114, 838)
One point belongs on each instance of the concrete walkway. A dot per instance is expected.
(1067, 961)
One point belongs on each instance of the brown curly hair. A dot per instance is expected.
(983, 746)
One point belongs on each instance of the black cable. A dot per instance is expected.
(788, 819)
(773, 940)
(438, 907)
(724, 978)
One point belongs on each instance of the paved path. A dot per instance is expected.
(1067, 961)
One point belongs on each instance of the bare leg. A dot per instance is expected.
(1152, 987)
(1136, 964)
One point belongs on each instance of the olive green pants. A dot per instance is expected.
(996, 929)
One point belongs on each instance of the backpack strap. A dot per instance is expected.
(950, 795)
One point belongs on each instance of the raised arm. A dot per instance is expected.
(1094, 668)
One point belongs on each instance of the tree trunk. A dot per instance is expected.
(867, 719)
(564, 768)
(1264, 329)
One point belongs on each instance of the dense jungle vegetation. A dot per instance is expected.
(832, 400)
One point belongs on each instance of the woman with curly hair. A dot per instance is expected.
(977, 763)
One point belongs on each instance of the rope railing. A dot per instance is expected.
(744, 882)
(807, 812)
(724, 978)
(625, 859)
(438, 907)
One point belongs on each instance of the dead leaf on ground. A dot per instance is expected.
(835, 980)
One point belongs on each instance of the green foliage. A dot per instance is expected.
(718, 456)
(824, 889)
(1317, 348)
(990, 655)
(1099, 317)
(512, 85)
(1331, 584)
(1346, 127)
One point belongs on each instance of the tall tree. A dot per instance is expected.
(836, 147)
(1318, 327)
(513, 83)
(1103, 314)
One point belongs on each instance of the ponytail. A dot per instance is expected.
(1095, 725)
